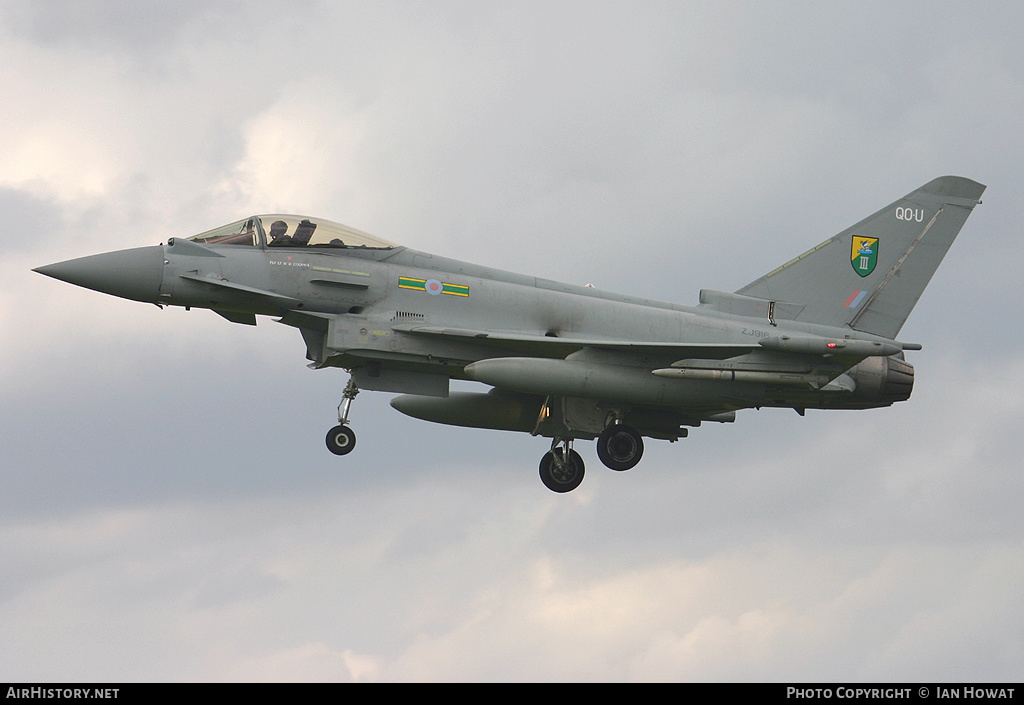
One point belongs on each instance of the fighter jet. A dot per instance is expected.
(565, 362)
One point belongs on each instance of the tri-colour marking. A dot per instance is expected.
(432, 286)
(854, 299)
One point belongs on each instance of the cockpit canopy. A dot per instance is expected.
(291, 231)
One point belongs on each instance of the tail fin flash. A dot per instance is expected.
(870, 276)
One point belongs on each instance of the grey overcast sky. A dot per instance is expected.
(167, 509)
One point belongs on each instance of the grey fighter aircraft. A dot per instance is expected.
(565, 362)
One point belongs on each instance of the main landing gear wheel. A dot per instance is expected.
(620, 447)
(341, 440)
(559, 475)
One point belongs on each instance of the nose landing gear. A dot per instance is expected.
(341, 439)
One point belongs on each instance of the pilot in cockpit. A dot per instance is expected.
(279, 234)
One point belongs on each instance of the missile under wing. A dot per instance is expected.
(564, 362)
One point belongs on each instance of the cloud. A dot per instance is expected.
(786, 608)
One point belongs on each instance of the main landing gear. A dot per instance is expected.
(561, 468)
(619, 446)
(341, 439)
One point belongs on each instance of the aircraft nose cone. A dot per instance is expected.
(131, 274)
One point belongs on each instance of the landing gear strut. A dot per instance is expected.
(620, 447)
(561, 468)
(341, 439)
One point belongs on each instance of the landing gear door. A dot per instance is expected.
(377, 376)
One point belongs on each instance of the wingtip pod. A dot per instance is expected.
(831, 346)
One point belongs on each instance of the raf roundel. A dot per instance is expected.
(433, 287)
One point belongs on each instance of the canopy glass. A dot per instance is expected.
(291, 231)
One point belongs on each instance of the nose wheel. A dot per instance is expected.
(341, 439)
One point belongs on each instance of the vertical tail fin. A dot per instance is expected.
(870, 276)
